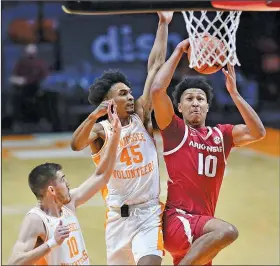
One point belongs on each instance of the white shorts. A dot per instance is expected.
(128, 239)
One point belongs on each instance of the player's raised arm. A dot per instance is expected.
(155, 61)
(86, 133)
(253, 130)
(161, 102)
(106, 166)
(24, 251)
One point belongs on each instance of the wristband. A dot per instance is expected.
(52, 243)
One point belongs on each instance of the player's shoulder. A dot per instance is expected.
(97, 127)
(224, 126)
(176, 122)
(97, 131)
(33, 223)
(32, 217)
(136, 117)
(226, 129)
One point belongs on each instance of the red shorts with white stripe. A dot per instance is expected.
(180, 230)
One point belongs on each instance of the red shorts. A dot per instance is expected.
(180, 230)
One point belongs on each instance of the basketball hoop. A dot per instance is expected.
(222, 25)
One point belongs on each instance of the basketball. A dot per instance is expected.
(209, 43)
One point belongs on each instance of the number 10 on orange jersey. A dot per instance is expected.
(131, 154)
(73, 247)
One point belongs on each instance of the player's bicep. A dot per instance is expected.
(32, 228)
(241, 135)
(163, 108)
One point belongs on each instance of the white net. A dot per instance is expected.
(219, 48)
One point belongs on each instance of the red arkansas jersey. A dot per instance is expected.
(195, 160)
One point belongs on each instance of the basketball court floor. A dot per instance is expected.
(249, 196)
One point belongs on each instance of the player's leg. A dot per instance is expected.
(150, 260)
(118, 240)
(211, 236)
(147, 244)
(177, 234)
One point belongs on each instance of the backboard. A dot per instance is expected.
(101, 7)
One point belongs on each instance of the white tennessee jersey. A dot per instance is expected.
(73, 250)
(135, 178)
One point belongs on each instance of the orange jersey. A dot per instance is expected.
(135, 177)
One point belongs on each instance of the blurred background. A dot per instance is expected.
(50, 58)
(45, 81)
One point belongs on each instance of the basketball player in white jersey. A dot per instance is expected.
(50, 233)
(133, 226)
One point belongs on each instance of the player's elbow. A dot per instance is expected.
(260, 134)
(11, 261)
(156, 89)
(17, 260)
(104, 178)
(156, 65)
(74, 146)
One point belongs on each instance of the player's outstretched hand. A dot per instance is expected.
(113, 117)
(61, 232)
(165, 16)
(101, 110)
(185, 44)
(230, 79)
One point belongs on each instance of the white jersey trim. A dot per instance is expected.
(69, 210)
(42, 215)
(223, 146)
(141, 123)
(180, 145)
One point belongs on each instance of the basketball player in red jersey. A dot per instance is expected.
(195, 157)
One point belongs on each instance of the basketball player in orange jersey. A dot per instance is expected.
(195, 157)
(133, 225)
(50, 233)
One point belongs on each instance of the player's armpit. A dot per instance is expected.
(24, 251)
(96, 132)
(145, 114)
(241, 135)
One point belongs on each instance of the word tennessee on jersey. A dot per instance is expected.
(73, 250)
(135, 177)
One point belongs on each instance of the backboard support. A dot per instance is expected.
(107, 7)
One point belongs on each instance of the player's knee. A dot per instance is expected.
(228, 233)
(150, 260)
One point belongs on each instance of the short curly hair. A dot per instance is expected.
(101, 86)
(189, 83)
